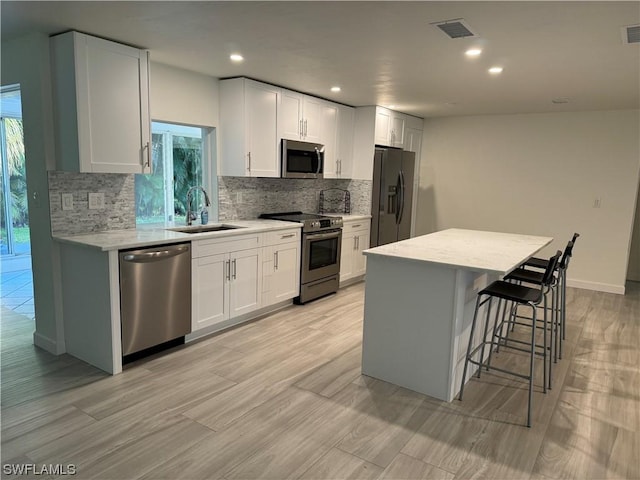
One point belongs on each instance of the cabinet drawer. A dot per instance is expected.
(356, 226)
(216, 246)
(282, 236)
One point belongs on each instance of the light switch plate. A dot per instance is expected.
(96, 201)
(67, 201)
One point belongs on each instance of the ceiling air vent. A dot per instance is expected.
(456, 28)
(631, 34)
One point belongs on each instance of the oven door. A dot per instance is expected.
(320, 255)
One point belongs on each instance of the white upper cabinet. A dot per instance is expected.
(248, 129)
(101, 105)
(344, 152)
(329, 138)
(413, 134)
(299, 117)
(389, 128)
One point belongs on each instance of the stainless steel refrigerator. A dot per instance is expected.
(392, 199)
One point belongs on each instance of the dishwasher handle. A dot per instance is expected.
(154, 256)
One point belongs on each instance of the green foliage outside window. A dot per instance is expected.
(17, 176)
(177, 165)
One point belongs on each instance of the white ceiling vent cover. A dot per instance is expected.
(631, 34)
(455, 28)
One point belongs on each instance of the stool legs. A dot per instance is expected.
(471, 335)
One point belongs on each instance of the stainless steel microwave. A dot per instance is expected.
(302, 159)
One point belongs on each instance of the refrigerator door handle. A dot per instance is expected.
(401, 197)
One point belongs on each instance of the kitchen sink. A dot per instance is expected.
(204, 228)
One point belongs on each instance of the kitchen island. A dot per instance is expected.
(419, 300)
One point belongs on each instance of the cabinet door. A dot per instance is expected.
(396, 135)
(312, 119)
(290, 123)
(245, 290)
(286, 272)
(262, 142)
(346, 255)
(101, 91)
(382, 126)
(209, 295)
(413, 140)
(345, 133)
(328, 137)
(359, 260)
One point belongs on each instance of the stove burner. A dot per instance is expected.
(311, 222)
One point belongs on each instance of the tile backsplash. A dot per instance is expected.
(119, 202)
(246, 198)
(239, 198)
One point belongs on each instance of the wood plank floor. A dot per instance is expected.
(283, 397)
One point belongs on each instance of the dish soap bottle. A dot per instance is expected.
(204, 216)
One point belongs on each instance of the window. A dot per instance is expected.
(178, 157)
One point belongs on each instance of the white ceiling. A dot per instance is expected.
(379, 52)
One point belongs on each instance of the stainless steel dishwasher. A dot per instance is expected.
(155, 295)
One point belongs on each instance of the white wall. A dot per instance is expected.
(538, 174)
(181, 96)
(26, 61)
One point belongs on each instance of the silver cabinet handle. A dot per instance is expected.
(355, 240)
(305, 129)
(147, 163)
(356, 226)
(301, 129)
(249, 164)
(227, 267)
(275, 260)
(289, 235)
(234, 268)
(358, 242)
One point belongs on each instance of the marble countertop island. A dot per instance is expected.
(490, 252)
(420, 297)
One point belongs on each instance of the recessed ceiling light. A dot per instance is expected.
(335, 89)
(473, 52)
(236, 57)
(495, 70)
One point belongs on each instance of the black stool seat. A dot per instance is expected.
(523, 275)
(537, 262)
(512, 292)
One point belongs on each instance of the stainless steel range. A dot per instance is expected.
(320, 252)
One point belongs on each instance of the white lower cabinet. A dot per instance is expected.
(281, 266)
(226, 279)
(355, 239)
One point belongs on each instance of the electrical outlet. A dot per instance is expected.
(67, 201)
(597, 202)
(96, 201)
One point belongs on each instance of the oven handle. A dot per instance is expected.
(315, 236)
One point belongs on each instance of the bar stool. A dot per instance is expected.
(517, 295)
(541, 263)
(522, 275)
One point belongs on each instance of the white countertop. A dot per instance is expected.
(148, 235)
(476, 250)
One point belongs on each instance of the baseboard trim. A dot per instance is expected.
(599, 287)
(47, 344)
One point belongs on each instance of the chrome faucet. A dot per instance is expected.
(191, 216)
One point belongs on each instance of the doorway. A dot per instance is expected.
(16, 276)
